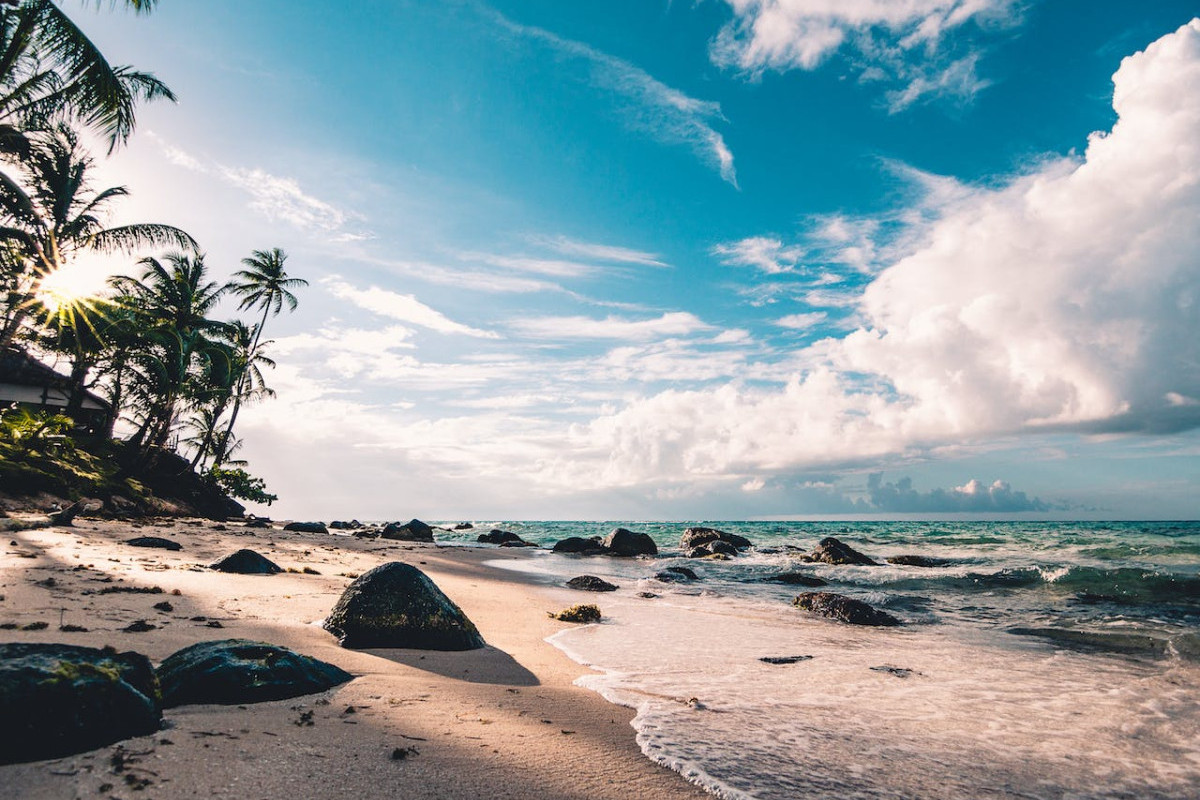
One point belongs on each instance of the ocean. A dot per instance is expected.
(1042, 660)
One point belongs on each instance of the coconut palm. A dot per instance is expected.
(242, 382)
(265, 284)
(49, 68)
(51, 216)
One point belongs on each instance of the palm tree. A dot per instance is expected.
(51, 216)
(49, 68)
(243, 381)
(179, 338)
(266, 285)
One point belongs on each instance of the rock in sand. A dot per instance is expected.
(306, 527)
(154, 541)
(247, 562)
(397, 605)
(590, 583)
(412, 531)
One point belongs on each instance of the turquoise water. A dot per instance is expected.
(960, 701)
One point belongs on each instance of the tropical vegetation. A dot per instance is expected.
(154, 345)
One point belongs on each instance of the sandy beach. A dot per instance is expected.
(501, 722)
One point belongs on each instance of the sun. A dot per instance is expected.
(66, 287)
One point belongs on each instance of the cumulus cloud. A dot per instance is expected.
(909, 43)
(402, 307)
(648, 105)
(971, 497)
(1065, 299)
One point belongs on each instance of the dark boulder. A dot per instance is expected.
(397, 605)
(306, 527)
(258, 522)
(412, 531)
(622, 542)
(584, 613)
(797, 579)
(590, 583)
(58, 699)
(154, 541)
(233, 671)
(714, 547)
(463, 526)
(918, 561)
(1136, 644)
(577, 545)
(497, 536)
(343, 525)
(831, 551)
(696, 537)
(846, 609)
(247, 562)
(685, 572)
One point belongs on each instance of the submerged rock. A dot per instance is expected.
(154, 541)
(412, 531)
(1124, 643)
(232, 671)
(699, 536)
(918, 561)
(676, 574)
(797, 579)
(622, 542)
(579, 546)
(306, 527)
(397, 605)
(247, 562)
(846, 609)
(58, 699)
(832, 551)
(590, 583)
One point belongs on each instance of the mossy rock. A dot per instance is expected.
(58, 699)
(397, 605)
(580, 613)
(232, 671)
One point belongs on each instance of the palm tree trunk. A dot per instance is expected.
(237, 394)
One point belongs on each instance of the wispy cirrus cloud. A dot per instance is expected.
(649, 106)
(676, 323)
(401, 307)
(603, 253)
(911, 44)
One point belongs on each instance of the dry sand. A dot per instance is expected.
(502, 722)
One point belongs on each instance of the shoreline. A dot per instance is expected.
(504, 721)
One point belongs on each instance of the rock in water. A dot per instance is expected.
(497, 536)
(463, 526)
(306, 527)
(58, 699)
(412, 531)
(697, 537)
(797, 579)
(622, 542)
(831, 551)
(233, 671)
(590, 583)
(247, 562)
(714, 547)
(154, 541)
(846, 609)
(918, 561)
(580, 546)
(397, 605)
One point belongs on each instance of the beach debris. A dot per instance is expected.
(648, 595)
(310, 571)
(246, 562)
(503, 538)
(412, 531)
(35, 626)
(59, 699)
(397, 605)
(899, 672)
(785, 659)
(579, 613)
(577, 545)
(845, 609)
(700, 536)
(235, 671)
(919, 561)
(590, 583)
(797, 579)
(627, 543)
(139, 626)
(401, 753)
(306, 527)
(154, 541)
(131, 590)
(69, 628)
(832, 551)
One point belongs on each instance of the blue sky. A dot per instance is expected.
(723, 259)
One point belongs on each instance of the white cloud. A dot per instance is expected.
(402, 307)
(906, 42)
(802, 322)
(282, 199)
(1067, 299)
(598, 252)
(767, 253)
(677, 323)
(539, 266)
(650, 106)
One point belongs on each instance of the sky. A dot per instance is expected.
(723, 259)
